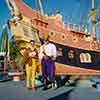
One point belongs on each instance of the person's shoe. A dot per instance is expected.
(45, 88)
(28, 88)
(54, 85)
(49, 86)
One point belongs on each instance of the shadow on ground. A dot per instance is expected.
(63, 96)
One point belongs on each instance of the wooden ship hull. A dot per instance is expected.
(77, 54)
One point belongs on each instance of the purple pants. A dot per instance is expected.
(48, 69)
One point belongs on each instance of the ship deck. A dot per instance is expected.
(16, 91)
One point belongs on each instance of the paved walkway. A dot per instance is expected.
(17, 91)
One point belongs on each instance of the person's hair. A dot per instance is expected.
(32, 41)
(46, 35)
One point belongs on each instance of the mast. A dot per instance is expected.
(12, 6)
(93, 20)
(41, 7)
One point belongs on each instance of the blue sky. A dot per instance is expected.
(73, 11)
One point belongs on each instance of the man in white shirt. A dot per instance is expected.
(47, 55)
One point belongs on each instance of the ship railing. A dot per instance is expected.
(74, 27)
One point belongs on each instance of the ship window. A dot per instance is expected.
(88, 57)
(71, 54)
(85, 58)
(59, 52)
(52, 33)
(82, 57)
(63, 36)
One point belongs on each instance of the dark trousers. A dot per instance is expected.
(48, 70)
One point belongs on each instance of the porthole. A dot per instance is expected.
(52, 33)
(63, 36)
(74, 39)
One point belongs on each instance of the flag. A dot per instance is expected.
(4, 40)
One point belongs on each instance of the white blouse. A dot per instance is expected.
(49, 49)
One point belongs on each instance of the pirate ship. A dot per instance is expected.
(77, 51)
